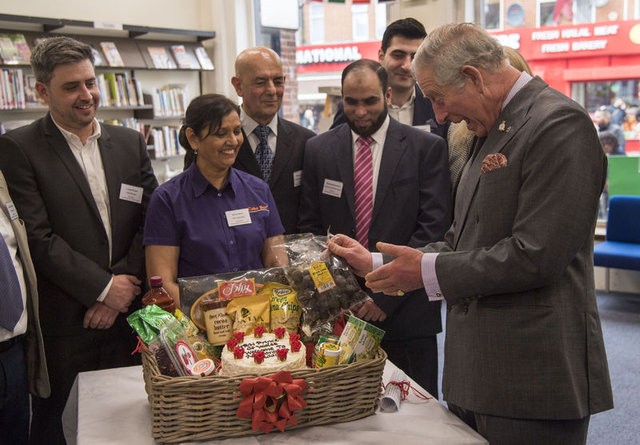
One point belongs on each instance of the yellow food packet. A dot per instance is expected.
(249, 312)
(285, 308)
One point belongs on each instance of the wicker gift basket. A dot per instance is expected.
(204, 408)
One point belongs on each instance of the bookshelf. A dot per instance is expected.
(147, 75)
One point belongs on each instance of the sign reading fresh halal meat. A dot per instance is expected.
(589, 39)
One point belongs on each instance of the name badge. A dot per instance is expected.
(13, 213)
(297, 178)
(332, 188)
(131, 193)
(425, 127)
(238, 217)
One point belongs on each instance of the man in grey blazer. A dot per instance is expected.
(260, 81)
(22, 369)
(524, 354)
(411, 205)
(82, 189)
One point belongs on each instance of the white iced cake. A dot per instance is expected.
(268, 344)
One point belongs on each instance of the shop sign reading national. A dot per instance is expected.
(589, 39)
(326, 58)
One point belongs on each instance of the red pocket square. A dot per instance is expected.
(493, 161)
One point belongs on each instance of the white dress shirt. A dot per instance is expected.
(248, 125)
(379, 137)
(90, 161)
(404, 113)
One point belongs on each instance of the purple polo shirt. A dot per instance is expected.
(188, 212)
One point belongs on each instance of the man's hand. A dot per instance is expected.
(404, 273)
(353, 253)
(122, 292)
(99, 316)
(369, 311)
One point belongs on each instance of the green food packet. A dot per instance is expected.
(148, 321)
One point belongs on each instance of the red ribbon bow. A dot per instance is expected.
(271, 401)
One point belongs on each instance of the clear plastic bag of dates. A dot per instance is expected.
(325, 285)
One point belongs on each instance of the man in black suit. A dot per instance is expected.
(82, 189)
(400, 42)
(408, 191)
(260, 81)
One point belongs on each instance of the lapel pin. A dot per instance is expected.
(503, 127)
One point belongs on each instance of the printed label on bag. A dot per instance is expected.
(321, 276)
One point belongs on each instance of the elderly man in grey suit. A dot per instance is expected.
(524, 354)
(22, 369)
(409, 202)
(273, 147)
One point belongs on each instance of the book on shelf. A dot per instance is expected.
(31, 96)
(98, 60)
(170, 100)
(161, 57)
(14, 49)
(111, 53)
(203, 58)
(12, 89)
(184, 57)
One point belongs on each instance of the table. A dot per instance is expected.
(111, 407)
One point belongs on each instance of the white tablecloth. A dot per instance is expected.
(111, 407)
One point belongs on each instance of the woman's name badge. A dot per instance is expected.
(238, 217)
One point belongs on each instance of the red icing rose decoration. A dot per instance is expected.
(232, 343)
(296, 345)
(258, 357)
(282, 354)
(239, 336)
(258, 331)
(238, 352)
(279, 332)
(294, 337)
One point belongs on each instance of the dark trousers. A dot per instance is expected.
(14, 394)
(418, 358)
(509, 431)
(66, 357)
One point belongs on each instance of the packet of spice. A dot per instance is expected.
(148, 321)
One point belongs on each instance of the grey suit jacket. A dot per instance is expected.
(523, 335)
(36, 363)
(412, 206)
(68, 241)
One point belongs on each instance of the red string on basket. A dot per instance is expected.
(405, 386)
(141, 346)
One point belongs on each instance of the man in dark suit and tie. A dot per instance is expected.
(81, 188)
(378, 180)
(273, 147)
(22, 360)
(524, 354)
(399, 43)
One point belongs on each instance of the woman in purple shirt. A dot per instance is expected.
(211, 218)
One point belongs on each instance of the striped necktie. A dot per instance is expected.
(264, 154)
(363, 179)
(10, 293)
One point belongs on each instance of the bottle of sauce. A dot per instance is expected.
(159, 296)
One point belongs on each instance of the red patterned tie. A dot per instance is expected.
(363, 178)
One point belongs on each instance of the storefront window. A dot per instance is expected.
(491, 16)
(545, 13)
(381, 19)
(316, 23)
(360, 22)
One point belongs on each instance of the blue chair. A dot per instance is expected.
(621, 248)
